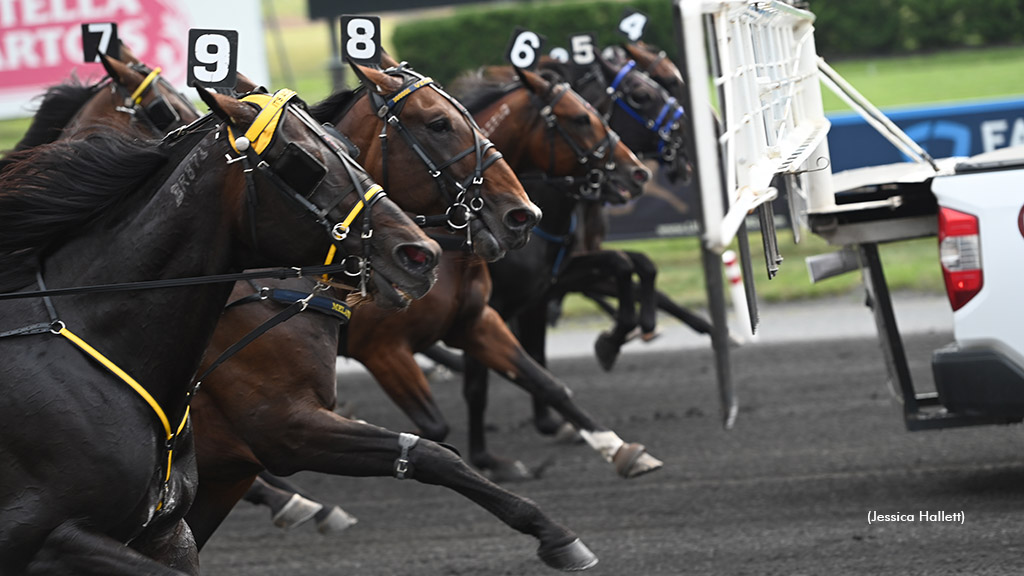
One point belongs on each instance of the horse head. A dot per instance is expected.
(656, 64)
(424, 146)
(551, 129)
(137, 98)
(283, 148)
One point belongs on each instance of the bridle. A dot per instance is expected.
(462, 195)
(598, 156)
(159, 115)
(664, 125)
(298, 175)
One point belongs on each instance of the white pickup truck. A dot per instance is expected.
(976, 208)
(981, 248)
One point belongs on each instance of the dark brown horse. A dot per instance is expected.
(441, 168)
(133, 98)
(538, 126)
(97, 471)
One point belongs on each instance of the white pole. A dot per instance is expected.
(738, 295)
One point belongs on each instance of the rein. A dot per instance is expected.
(261, 133)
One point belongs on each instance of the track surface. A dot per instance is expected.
(818, 445)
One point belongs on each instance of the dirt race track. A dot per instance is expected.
(819, 445)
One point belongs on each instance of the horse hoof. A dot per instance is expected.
(572, 557)
(296, 511)
(607, 350)
(514, 471)
(632, 460)
(336, 521)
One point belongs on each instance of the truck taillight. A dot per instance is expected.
(960, 254)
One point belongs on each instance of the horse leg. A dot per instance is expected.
(474, 391)
(330, 519)
(327, 443)
(288, 508)
(444, 357)
(72, 550)
(581, 271)
(647, 273)
(489, 340)
(531, 331)
(397, 372)
(213, 502)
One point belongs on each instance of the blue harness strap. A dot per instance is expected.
(565, 241)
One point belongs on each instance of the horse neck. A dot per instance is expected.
(510, 123)
(363, 128)
(181, 228)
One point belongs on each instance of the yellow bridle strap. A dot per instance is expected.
(261, 132)
(370, 194)
(137, 95)
(409, 90)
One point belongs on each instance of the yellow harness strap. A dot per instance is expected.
(117, 371)
(261, 133)
(137, 95)
(370, 195)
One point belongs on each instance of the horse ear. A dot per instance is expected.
(225, 107)
(115, 69)
(387, 61)
(127, 56)
(376, 78)
(534, 82)
(244, 85)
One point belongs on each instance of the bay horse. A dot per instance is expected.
(537, 125)
(98, 449)
(443, 170)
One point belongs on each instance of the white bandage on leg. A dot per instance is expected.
(607, 442)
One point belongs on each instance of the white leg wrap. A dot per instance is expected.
(607, 442)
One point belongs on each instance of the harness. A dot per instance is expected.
(466, 202)
(587, 187)
(252, 146)
(298, 175)
(662, 125)
(159, 115)
(564, 242)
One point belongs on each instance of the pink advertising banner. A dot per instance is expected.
(41, 40)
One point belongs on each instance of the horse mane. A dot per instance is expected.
(332, 108)
(66, 185)
(476, 91)
(59, 105)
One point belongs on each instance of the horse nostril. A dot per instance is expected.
(641, 175)
(417, 255)
(520, 216)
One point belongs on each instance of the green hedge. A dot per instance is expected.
(478, 36)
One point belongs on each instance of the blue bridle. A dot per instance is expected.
(670, 113)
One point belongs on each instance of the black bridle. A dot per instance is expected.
(298, 175)
(463, 196)
(159, 115)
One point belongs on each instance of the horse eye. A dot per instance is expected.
(440, 125)
(581, 120)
